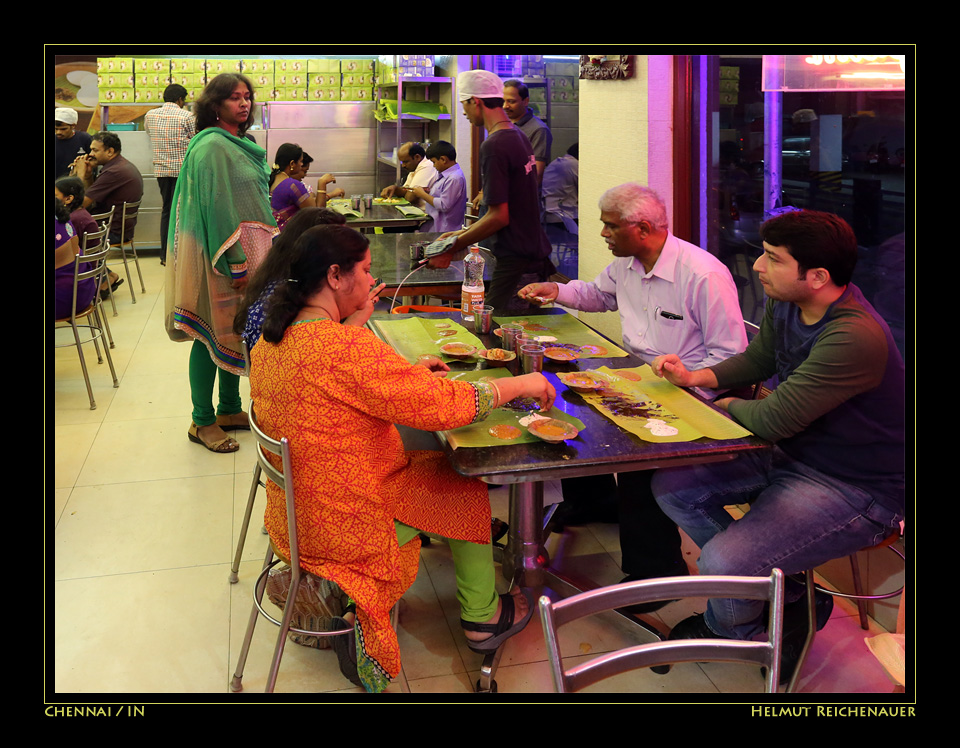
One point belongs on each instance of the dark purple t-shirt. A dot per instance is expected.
(509, 172)
(119, 182)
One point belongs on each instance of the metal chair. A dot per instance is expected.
(251, 498)
(767, 654)
(104, 220)
(93, 313)
(281, 448)
(130, 211)
(858, 594)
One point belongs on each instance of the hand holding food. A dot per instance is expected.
(539, 293)
(535, 386)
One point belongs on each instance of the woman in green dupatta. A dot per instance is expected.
(223, 227)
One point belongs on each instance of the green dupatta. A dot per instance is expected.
(222, 229)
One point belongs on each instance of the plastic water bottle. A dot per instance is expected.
(471, 293)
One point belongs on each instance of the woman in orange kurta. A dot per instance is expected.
(336, 392)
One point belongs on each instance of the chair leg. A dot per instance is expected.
(96, 319)
(284, 630)
(236, 683)
(136, 260)
(811, 588)
(234, 570)
(858, 591)
(103, 320)
(83, 365)
(126, 270)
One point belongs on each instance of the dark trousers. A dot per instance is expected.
(649, 540)
(167, 186)
(510, 275)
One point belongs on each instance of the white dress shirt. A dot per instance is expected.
(685, 282)
(423, 176)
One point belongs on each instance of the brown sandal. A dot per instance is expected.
(234, 422)
(224, 446)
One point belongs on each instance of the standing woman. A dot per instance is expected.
(288, 193)
(222, 228)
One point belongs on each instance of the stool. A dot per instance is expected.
(857, 594)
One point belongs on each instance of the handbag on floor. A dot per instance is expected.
(318, 602)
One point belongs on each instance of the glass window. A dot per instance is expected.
(841, 151)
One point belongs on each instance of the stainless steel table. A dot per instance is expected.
(383, 216)
(602, 448)
(390, 261)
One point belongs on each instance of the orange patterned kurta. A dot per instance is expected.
(335, 392)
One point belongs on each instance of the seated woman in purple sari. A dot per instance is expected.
(66, 248)
(288, 193)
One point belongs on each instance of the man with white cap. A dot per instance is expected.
(69, 143)
(510, 189)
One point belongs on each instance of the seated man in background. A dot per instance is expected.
(671, 295)
(446, 200)
(834, 481)
(119, 181)
(561, 182)
(420, 173)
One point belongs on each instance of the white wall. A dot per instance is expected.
(626, 135)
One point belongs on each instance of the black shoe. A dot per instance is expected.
(694, 627)
(569, 514)
(641, 608)
(795, 630)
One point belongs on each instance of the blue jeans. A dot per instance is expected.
(799, 518)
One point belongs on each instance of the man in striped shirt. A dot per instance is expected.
(170, 128)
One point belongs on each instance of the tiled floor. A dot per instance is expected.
(145, 526)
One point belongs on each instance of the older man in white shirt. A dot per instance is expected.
(671, 296)
(420, 173)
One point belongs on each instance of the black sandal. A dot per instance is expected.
(503, 629)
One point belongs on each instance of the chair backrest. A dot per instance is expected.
(753, 329)
(104, 219)
(96, 262)
(554, 615)
(93, 241)
(281, 448)
(129, 210)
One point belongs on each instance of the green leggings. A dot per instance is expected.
(203, 372)
(476, 586)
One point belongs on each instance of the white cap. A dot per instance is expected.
(480, 83)
(66, 115)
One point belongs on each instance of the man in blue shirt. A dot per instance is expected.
(69, 143)
(445, 201)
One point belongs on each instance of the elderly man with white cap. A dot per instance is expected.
(511, 193)
(69, 143)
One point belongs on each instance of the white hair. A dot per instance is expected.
(633, 202)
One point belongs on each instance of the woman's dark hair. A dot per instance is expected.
(314, 253)
(276, 265)
(286, 153)
(71, 187)
(217, 91)
(60, 211)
